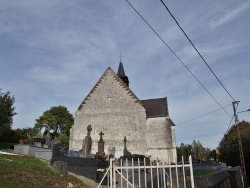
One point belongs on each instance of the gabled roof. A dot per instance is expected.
(156, 107)
(122, 84)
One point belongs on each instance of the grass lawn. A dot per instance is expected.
(25, 171)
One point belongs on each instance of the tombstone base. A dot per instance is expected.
(60, 167)
(101, 156)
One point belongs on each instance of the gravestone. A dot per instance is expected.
(30, 141)
(125, 150)
(87, 143)
(48, 139)
(60, 167)
(101, 143)
(38, 144)
(59, 150)
(55, 141)
(73, 153)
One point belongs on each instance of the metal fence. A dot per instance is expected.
(147, 174)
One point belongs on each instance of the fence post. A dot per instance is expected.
(133, 173)
(183, 169)
(170, 172)
(191, 171)
(110, 173)
(127, 170)
(151, 173)
(113, 173)
(121, 162)
(139, 173)
(145, 173)
(164, 172)
(157, 171)
(176, 173)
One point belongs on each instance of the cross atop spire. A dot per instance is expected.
(120, 57)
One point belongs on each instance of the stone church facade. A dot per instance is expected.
(111, 107)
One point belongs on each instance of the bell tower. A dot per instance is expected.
(121, 73)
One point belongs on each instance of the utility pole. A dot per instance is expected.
(240, 144)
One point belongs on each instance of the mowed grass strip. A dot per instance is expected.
(26, 171)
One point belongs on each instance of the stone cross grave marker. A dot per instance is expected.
(125, 150)
(101, 143)
(48, 139)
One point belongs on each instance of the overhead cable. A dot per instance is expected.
(197, 50)
(178, 58)
(203, 115)
(230, 122)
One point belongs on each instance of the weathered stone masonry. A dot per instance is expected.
(111, 107)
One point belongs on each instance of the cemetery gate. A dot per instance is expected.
(143, 174)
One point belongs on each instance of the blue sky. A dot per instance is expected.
(53, 52)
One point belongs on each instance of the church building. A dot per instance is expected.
(112, 107)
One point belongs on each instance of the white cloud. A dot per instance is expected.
(230, 15)
(53, 53)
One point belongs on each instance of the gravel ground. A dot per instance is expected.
(6, 153)
(89, 182)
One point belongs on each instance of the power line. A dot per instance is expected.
(203, 115)
(229, 124)
(231, 121)
(178, 58)
(196, 50)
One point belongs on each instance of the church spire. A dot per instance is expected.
(121, 73)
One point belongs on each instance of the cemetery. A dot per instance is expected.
(64, 160)
(140, 149)
(133, 167)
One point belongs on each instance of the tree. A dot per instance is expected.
(229, 148)
(23, 133)
(7, 111)
(58, 118)
(196, 150)
(64, 139)
(184, 150)
(208, 153)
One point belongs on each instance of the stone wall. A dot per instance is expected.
(160, 139)
(219, 179)
(229, 178)
(38, 152)
(86, 167)
(215, 167)
(235, 177)
(114, 110)
(111, 107)
(159, 133)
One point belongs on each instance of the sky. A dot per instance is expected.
(53, 52)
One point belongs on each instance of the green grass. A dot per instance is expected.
(26, 171)
(27, 163)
